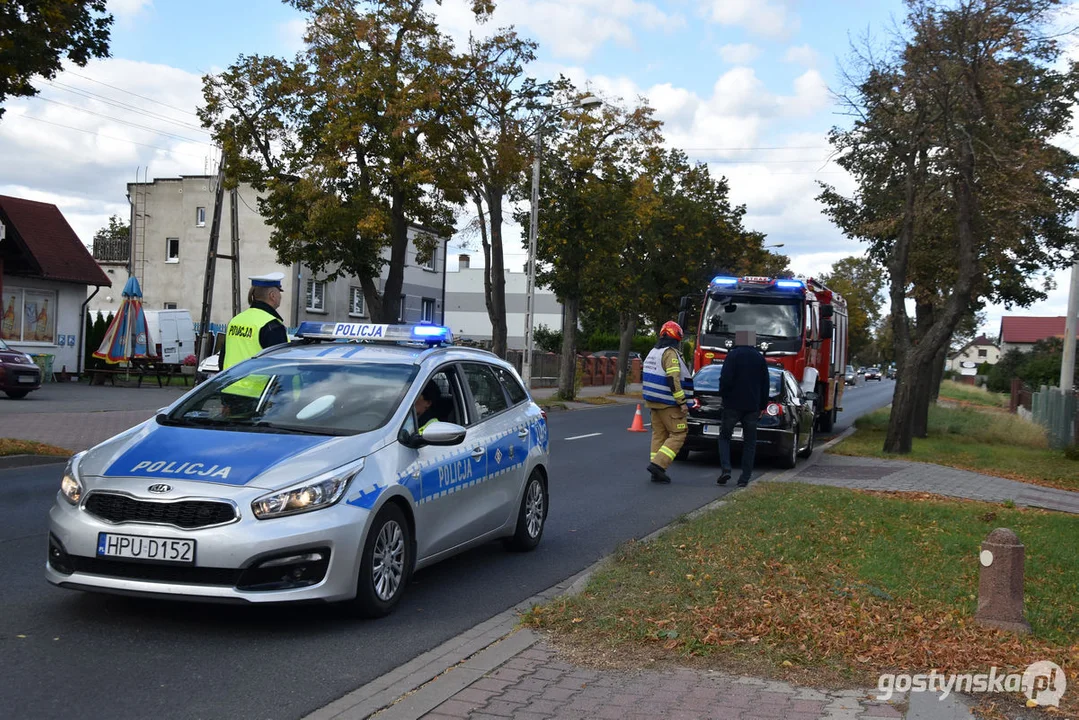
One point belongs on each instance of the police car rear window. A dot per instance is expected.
(320, 398)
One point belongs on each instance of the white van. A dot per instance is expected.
(171, 334)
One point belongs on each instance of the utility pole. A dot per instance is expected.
(1071, 322)
(206, 342)
(235, 217)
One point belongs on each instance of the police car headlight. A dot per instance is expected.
(312, 494)
(70, 485)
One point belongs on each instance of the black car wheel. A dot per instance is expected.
(385, 565)
(532, 516)
(790, 457)
(808, 450)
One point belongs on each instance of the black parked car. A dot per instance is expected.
(784, 431)
(18, 373)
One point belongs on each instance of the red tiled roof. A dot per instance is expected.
(1019, 329)
(52, 244)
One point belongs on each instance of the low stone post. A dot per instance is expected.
(1000, 584)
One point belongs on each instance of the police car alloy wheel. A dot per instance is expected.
(532, 516)
(386, 564)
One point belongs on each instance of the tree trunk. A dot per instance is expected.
(627, 326)
(923, 320)
(496, 306)
(567, 373)
(390, 312)
(938, 373)
(371, 298)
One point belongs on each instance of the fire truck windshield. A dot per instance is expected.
(772, 318)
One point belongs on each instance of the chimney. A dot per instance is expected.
(462, 261)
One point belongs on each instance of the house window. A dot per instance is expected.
(402, 313)
(316, 295)
(428, 310)
(429, 264)
(200, 217)
(983, 353)
(28, 316)
(355, 301)
(172, 250)
(170, 306)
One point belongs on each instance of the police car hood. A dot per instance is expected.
(228, 457)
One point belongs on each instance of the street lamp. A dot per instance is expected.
(586, 103)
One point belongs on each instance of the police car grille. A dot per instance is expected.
(227, 577)
(182, 513)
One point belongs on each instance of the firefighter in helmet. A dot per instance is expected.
(663, 378)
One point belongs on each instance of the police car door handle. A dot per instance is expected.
(477, 452)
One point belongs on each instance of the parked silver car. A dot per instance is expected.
(315, 471)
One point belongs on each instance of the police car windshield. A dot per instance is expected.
(308, 397)
(770, 317)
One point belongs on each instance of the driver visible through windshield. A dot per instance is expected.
(318, 397)
(771, 318)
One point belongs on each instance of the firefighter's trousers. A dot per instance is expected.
(668, 434)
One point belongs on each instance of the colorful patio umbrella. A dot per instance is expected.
(126, 337)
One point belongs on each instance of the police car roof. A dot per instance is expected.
(375, 353)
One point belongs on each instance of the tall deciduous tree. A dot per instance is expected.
(955, 169)
(347, 144)
(861, 281)
(493, 143)
(583, 207)
(36, 36)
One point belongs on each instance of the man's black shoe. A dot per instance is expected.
(659, 475)
(724, 478)
(743, 483)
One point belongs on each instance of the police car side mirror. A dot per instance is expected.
(443, 434)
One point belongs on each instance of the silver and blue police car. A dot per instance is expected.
(327, 469)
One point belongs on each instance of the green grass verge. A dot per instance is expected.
(988, 442)
(820, 583)
(9, 446)
(958, 392)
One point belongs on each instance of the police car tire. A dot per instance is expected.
(522, 540)
(367, 602)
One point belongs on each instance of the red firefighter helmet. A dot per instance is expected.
(671, 329)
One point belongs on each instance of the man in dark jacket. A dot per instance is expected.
(743, 384)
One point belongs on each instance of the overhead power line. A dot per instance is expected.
(120, 120)
(125, 106)
(143, 97)
(100, 135)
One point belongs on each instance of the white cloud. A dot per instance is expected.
(741, 54)
(801, 55)
(80, 157)
(291, 34)
(571, 29)
(770, 18)
(125, 10)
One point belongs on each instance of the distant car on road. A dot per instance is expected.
(890, 372)
(850, 377)
(873, 373)
(18, 373)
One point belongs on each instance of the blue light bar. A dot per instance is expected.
(790, 284)
(721, 280)
(370, 332)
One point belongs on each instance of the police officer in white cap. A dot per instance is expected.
(259, 326)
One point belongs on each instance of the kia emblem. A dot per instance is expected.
(159, 488)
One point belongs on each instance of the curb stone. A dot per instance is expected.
(18, 461)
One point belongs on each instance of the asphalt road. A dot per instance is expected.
(70, 654)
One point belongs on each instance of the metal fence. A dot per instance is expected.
(1055, 410)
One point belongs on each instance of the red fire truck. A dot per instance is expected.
(801, 325)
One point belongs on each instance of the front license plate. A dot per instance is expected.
(137, 547)
(28, 379)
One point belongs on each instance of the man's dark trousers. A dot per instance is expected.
(749, 440)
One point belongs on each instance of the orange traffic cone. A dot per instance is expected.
(638, 421)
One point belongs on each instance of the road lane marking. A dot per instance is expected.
(582, 437)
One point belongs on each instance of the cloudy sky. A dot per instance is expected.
(746, 85)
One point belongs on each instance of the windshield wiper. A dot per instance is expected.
(301, 430)
(207, 422)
